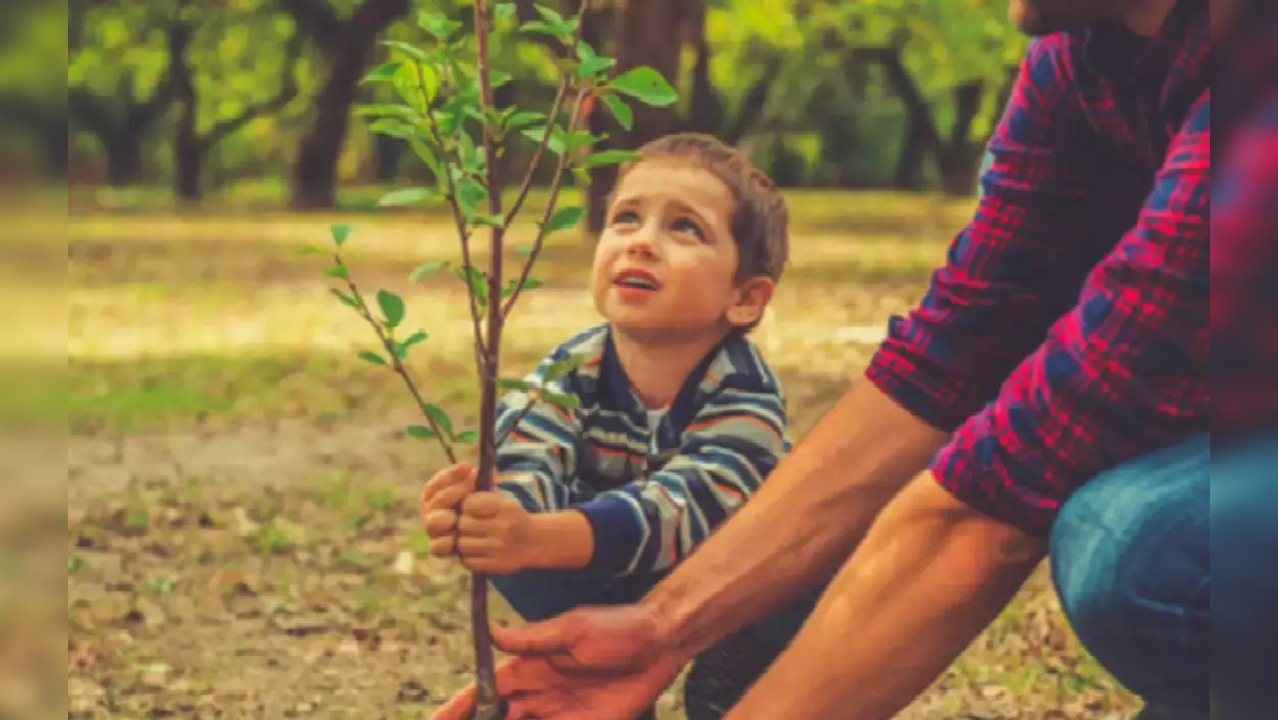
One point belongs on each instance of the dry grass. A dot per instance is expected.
(241, 539)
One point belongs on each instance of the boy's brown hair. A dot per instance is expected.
(760, 219)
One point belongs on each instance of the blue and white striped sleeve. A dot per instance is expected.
(732, 444)
(536, 461)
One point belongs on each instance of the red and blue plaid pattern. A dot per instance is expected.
(1071, 328)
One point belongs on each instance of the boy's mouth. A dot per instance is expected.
(636, 279)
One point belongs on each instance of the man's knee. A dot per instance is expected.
(1130, 559)
(1244, 548)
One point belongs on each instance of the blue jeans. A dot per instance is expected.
(1131, 558)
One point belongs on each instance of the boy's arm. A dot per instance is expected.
(537, 458)
(731, 445)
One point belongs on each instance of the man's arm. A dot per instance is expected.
(1009, 273)
(732, 443)
(1125, 372)
(930, 576)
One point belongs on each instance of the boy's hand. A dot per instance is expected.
(492, 532)
(495, 534)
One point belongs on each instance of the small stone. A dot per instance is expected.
(405, 563)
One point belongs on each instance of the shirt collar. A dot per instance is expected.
(1113, 47)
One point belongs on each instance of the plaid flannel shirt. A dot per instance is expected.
(650, 495)
(1071, 328)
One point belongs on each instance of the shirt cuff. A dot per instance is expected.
(617, 533)
(896, 370)
(981, 472)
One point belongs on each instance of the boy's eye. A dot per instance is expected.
(684, 225)
(625, 217)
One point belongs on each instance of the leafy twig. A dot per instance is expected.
(555, 184)
(396, 365)
(463, 232)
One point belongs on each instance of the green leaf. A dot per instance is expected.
(341, 231)
(493, 221)
(591, 67)
(426, 270)
(524, 118)
(417, 84)
(559, 368)
(440, 417)
(308, 250)
(514, 384)
(497, 78)
(470, 194)
(382, 73)
(337, 271)
(438, 25)
(392, 307)
(393, 127)
(529, 284)
(428, 156)
(645, 85)
(524, 250)
(555, 144)
(620, 110)
(556, 22)
(421, 432)
(477, 282)
(372, 357)
(469, 437)
(567, 402)
(539, 27)
(406, 196)
(413, 52)
(504, 11)
(401, 350)
(610, 157)
(583, 177)
(346, 298)
(577, 140)
(402, 112)
(565, 218)
(75, 564)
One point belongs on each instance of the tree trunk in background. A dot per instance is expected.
(705, 107)
(647, 32)
(347, 47)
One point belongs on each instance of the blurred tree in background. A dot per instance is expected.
(197, 95)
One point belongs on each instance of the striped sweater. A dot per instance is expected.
(651, 495)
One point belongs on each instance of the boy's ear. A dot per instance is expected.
(752, 298)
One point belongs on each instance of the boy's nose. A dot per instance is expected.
(642, 241)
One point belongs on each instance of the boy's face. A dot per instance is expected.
(665, 265)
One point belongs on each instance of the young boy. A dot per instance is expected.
(679, 419)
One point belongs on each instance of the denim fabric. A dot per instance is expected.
(1131, 558)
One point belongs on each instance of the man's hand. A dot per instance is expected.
(491, 532)
(587, 664)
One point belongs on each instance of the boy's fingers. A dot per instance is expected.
(440, 523)
(485, 505)
(456, 475)
(478, 546)
(450, 497)
(444, 547)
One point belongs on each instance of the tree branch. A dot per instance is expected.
(316, 19)
(287, 92)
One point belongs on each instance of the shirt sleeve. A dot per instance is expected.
(1038, 228)
(536, 461)
(1244, 269)
(731, 445)
(1125, 372)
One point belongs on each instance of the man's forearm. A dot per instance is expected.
(931, 574)
(803, 523)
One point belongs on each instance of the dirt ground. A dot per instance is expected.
(241, 533)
